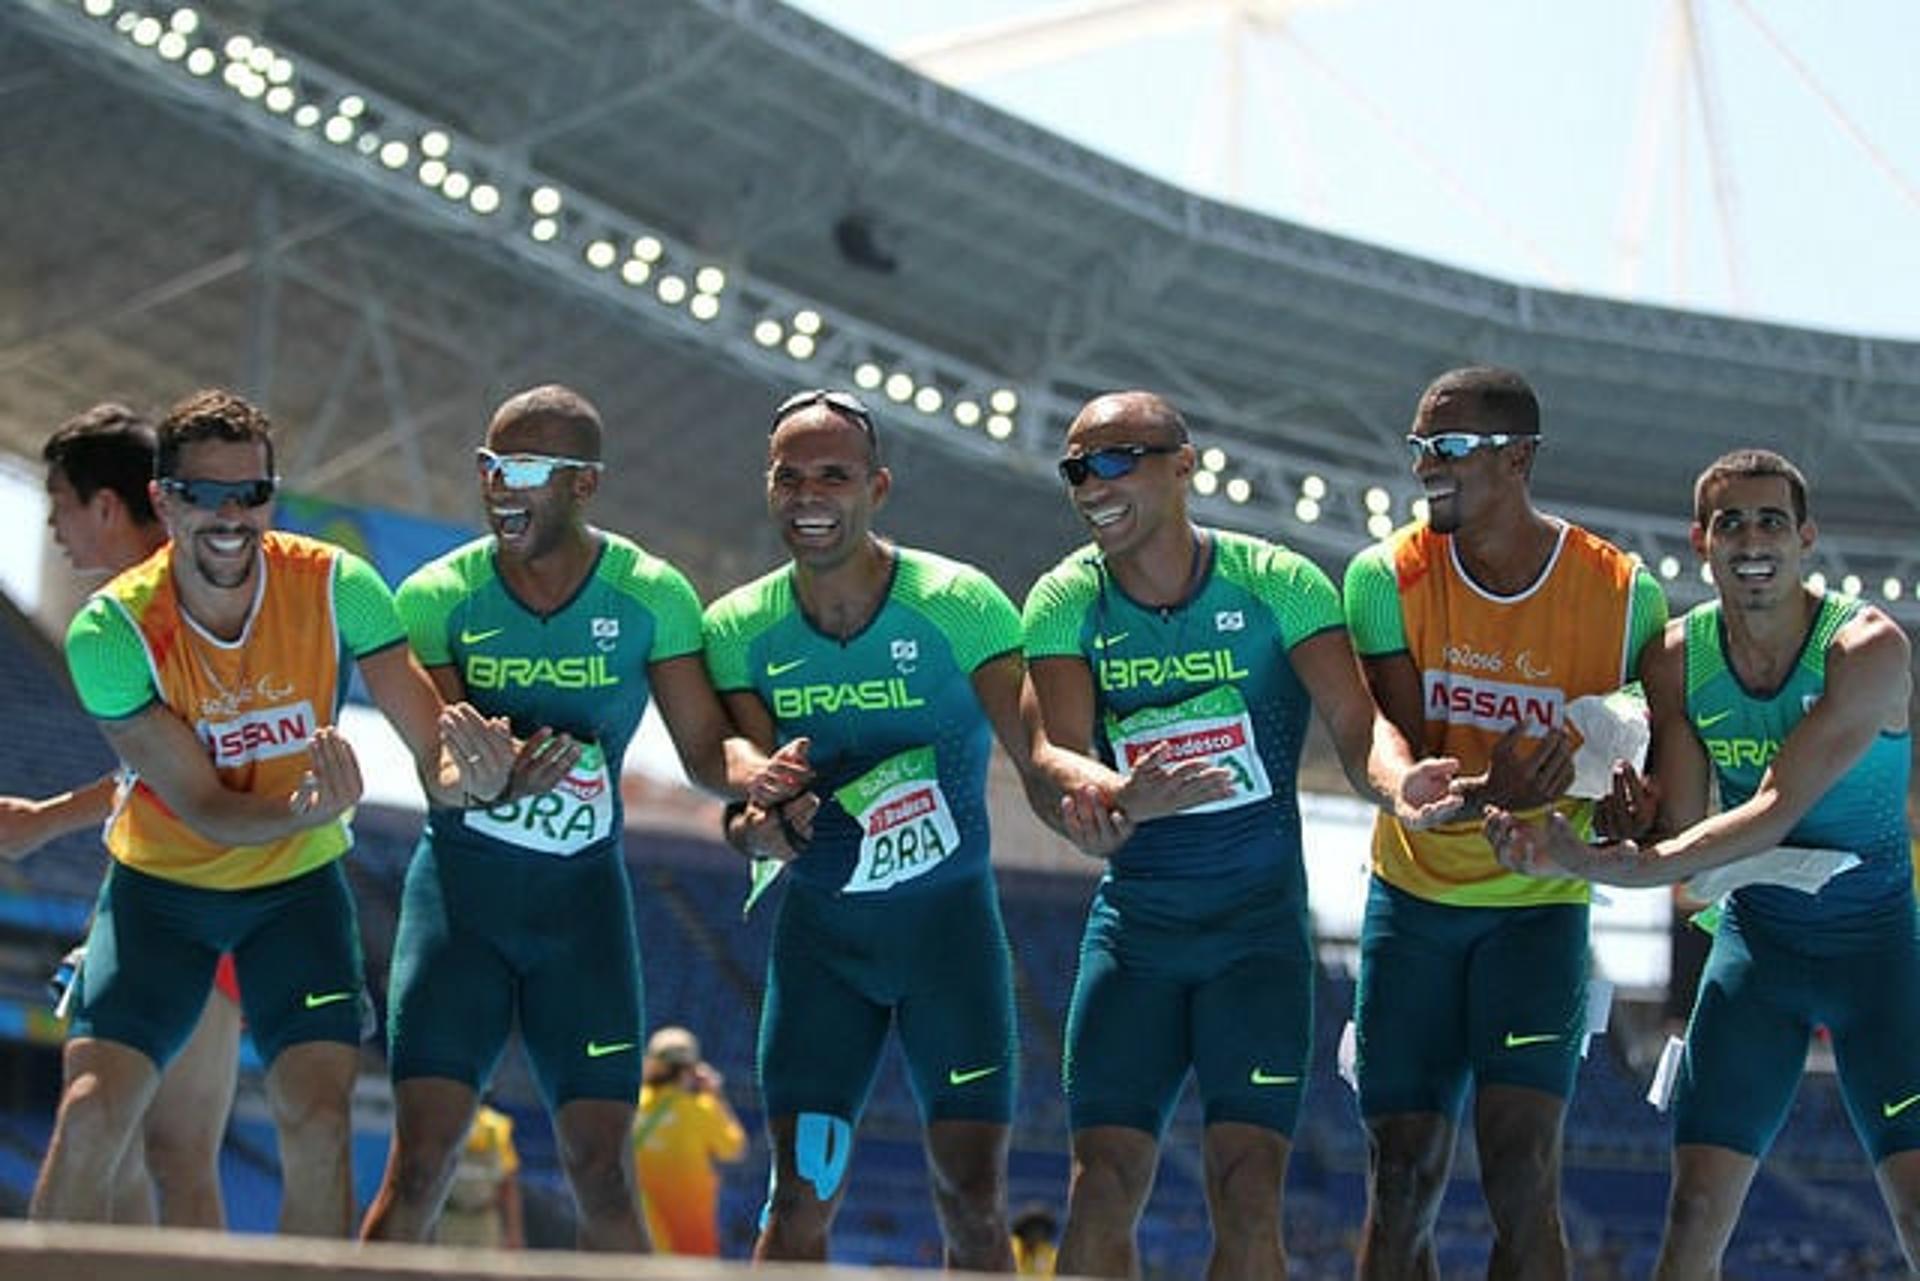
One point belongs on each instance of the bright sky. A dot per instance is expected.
(1536, 142)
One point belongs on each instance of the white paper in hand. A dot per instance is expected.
(1792, 866)
(1613, 727)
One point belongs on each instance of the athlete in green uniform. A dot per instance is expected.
(895, 669)
(1795, 702)
(1195, 655)
(517, 903)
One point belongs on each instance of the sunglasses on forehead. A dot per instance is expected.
(527, 471)
(212, 495)
(1452, 446)
(1110, 463)
(841, 402)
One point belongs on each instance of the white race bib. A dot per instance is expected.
(576, 813)
(1215, 725)
(906, 826)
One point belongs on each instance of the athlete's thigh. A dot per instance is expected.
(147, 969)
(1253, 1032)
(1746, 1046)
(450, 994)
(581, 1006)
(1128, 1041)
(1410, 1006)
(956, 1015)
(1871, 1005)
(1527, 997)
(299, 964)
(821, 1029)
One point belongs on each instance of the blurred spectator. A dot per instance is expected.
(1035, 1230)
(483, 1206)
(684, 1125)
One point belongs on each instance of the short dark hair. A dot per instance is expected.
(553, 403)
(1502, 396)
(108, 447)
(212, 414)
(1744, 464)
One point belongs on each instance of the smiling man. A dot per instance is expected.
(1477, 626)
(1173, 668)
(215, 669)
(1794, 702)
(517, 904)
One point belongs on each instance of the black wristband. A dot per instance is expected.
(733, 810)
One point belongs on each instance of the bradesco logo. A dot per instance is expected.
(887, 695)
(1497, 705)
(258, 736)
(1199, 667)
(1211, 741)
(484, 671)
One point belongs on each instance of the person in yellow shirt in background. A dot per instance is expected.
(483, 1205)
(684, 1125)
(1035, 1231)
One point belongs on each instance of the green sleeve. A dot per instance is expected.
(726, 644)
(1054, 620)
(363, 607)
(676, 614)
(1647, 620)
(1298, 592)
(424, 602)
(108, 661)
(1373, 604)
(977, 618)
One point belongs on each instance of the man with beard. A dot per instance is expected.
(1794, 703)
(517, 901)
(215, 669)
(894, 670)
(1477, 626)
(1173, 659)
(99, 465)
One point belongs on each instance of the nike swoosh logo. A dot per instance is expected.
(317, 999)
(1515, 1041)
(957, 1077)
(595, 1050)
(1260, 1077)
(1102, 642)
(1891, 1110)
(781, 669)
(1708, 722)
(475, 638)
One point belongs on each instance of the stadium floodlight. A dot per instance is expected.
(394, 153)
(307, 116)
(1379, 525)
(1378, 501)
(1205, 482)
(966, 413)
(1891, 589)
(456, 186)
(899, 386)
(236, 48)
(867, 376)
(484, 199)
(1418, 508)
(1240, 489)
(202, 61)
(806, 321)
(1669, 567)
(928, 400)
(1816, 580)
(126, 22)
(704, 306)
(545, 201)
(1850, 584)
(635, 272)
(280, 101)
(1312, 486)
(339, 131)
(98, 8)
(146, 32)
(172, 46)
(353, 106)
(260, 61)
(1306, 511)
(768, 333)
(800, 346)
(1003, 400)
(601, 254)
(999, 426)
(671, 290)
(544, 229)
(648, 249)
(1213, 458)
(368, 145)
(432, 172)
(185, 21)
(710, 280)
(281, 72)
(435, 144)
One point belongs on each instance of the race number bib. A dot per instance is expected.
(1214, 725)
(577, 813)
(906, 826)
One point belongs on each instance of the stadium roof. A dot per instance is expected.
(169, 228)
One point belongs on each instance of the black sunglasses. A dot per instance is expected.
(1110, 463)
(841, 402)
(212, 495)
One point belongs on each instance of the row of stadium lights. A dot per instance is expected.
(258, 73)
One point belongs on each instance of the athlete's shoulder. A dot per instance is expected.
(1078, 573)
(1237, 555)
(629, 564)
(1582, 546)
(285, 551)
(928, 574)
(465, 568)
(771, 594)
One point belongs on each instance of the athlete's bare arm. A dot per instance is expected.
(1373, 750)
(164, 751)
(26, 824)
(777, 830)
(715, 754)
